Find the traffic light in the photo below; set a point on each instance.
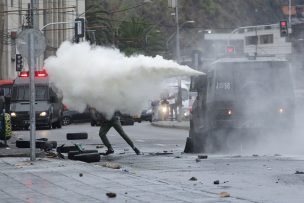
(19, 62)
(283, 28)
(79, 29)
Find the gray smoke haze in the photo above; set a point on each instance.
(108, 80)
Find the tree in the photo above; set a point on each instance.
(137, 36)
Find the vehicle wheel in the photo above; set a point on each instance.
(76, 136)
(66, 149)
(66, 120)
(88, 157)
(71, 154)
(59, 123)
(93, 123)
(49, 126)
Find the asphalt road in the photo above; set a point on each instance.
(145, 136)
(265, 174)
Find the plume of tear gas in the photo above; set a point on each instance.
(108, 80)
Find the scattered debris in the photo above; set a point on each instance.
(165, 151)
(197, 160)
(216, 182)
(126, 193)
(21, 165)
(111, 165)
(111, 194)
(193, 179)
(80, 174)
(126, 150)
(125, 170)
(226, 181)
(51, 155)
(237, 156)
(224, 194)
(277, 155)
(122, 153)
(299, 172)
(60, 156)
(99, 146)
(161, 153)
(178, 157)
(202, 156)
(255, 155)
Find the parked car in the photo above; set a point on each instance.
(75, 117)
(146, 115)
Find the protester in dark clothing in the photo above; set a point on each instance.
(106, 124)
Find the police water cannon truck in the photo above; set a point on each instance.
(247, 90)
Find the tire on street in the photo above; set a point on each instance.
(88, 157)
(27, 144)
(71, 154)
(77, 136)
(66, 149)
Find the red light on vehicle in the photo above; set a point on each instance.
(24, 74)
(41, 74)
(230, 50)
(283, 23)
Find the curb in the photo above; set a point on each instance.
(22, 154)
(170, 126)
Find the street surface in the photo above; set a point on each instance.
(162, 174)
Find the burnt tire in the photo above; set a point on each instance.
(66, 149)
(27, 144)
(71, 154)
(76, 136)
(88, 157)
(53, 143)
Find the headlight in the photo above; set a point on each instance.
(42, 114)
(13, 114)
(281, 110)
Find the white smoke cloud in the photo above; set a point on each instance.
(108, 80)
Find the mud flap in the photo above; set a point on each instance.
(189, 147)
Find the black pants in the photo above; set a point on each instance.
(105, 127)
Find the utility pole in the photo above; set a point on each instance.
(179, 93)
(31, 60)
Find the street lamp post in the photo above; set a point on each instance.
(179, 94)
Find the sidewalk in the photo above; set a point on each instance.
(172, 124)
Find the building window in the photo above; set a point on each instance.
(251, 40)
(266, 39)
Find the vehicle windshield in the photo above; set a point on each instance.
(6, 89)
(21, 93)
(265, 78)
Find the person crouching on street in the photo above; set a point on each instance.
(105, 126)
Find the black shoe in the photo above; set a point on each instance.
(136, 151)
(109, 151)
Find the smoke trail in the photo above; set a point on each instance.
(108, 80)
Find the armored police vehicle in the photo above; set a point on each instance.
(242, 94)
(48, 102)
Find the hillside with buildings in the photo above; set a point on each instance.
(108, 23)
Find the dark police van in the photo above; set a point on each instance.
(240, 96)
(48, 102)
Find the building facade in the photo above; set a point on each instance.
(55, 19)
